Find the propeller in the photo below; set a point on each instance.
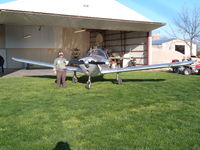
(97, 63)
(79, 62)
(76, 62)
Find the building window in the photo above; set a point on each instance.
(180, 48)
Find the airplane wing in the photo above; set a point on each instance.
(146, 67)
(70, 68)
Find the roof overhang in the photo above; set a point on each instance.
(46, 19)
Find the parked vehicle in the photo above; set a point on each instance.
(187, 69)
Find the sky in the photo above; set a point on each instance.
(5, 1)
(156, 10)
(161, 11)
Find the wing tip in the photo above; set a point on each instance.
(13, 58)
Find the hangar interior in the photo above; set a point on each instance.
(41, 43)
(121, 42)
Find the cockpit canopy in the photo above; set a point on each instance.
(97, 52)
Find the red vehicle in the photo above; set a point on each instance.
(188, 69)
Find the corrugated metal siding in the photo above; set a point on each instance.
(122, 42)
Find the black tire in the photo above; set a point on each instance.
(177, 70)
(198, 72)
(174, 70)
(187, 71)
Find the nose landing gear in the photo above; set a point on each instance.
(119, 80)
(88, 84)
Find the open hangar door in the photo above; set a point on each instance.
(41, 43)
(122, 42)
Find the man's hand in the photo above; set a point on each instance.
(66, 62)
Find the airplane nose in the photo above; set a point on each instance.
(87, 65)
(86, 62)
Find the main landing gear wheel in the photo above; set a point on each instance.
(88, 85)
(74, 79)
(119, 81)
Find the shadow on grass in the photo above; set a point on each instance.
(62, 146)
(83, 79)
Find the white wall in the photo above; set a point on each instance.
(159, 56)
(43, 44)
(40, 37)
(171, 46)
(166, 52)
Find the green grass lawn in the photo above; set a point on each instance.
(149, 111)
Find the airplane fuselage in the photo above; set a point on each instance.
(92, 69)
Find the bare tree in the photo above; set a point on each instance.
(187, 25)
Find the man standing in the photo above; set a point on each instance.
(59, 68)
(2, 63)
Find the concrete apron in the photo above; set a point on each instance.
(24, 72)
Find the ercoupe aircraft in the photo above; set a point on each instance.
(97, 63)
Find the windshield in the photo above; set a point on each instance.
(97, 52)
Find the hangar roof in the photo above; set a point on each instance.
(160, 42)
(91, 14)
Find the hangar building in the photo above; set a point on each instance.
(169, 49)
(37, 30)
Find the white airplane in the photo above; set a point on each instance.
(97, 63)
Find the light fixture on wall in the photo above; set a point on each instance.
(78, 31)
(27, 36)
